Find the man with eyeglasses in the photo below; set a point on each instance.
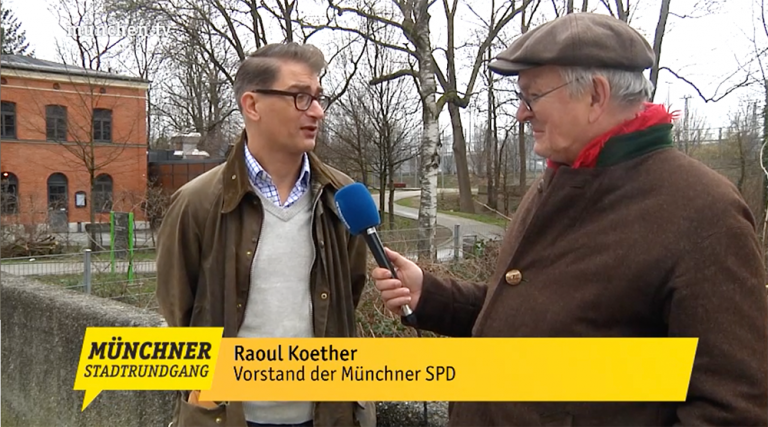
(256, 246)
(623, 236)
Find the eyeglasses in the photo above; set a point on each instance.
(301, 100)
(529, 101)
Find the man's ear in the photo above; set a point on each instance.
(250, 103)
(600, 97)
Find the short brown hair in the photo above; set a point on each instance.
(260, 69)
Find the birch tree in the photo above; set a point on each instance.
(411, 19)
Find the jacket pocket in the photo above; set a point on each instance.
(559, 419)
(190, 415)
(365, 414)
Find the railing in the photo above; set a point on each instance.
(133, 279)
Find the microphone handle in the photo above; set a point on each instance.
(377, 248)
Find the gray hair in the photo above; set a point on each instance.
(261, 68)
(628, 88)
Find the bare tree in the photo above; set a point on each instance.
(145, 55)
(456, 100)
(197, 96)
(93, 31)
(690, 130)
(375, 125)
(412, 20)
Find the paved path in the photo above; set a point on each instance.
(467, 226)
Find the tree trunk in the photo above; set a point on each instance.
(742, 161)
(489, 177)
(92, 211)
(490, 151)
(391, 201)
(382, 192)
(506, 186)
(493, 196)
(459, 143)
(764, 160)
(430, 157)
(460, 157)
(523, 162)
(661, 25)
(149, 118)
(521, 126)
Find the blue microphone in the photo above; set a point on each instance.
(360, 215)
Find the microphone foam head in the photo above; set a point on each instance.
(357, 208)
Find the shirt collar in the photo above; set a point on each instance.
(256, 172)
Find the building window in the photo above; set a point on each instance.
(57, 191)
(102, 125)
(56, 122)
(102, 193)
(9, 194)
(8, 125)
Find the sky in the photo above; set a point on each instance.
(703, 49)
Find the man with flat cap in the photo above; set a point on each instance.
(623, 236)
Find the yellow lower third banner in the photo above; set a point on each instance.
(384, 369)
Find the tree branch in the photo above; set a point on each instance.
(394, 76)
(701, 95)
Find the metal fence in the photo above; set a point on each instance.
(133, 280)
(114, 275)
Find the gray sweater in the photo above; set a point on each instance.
(279, 301)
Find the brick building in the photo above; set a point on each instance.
(61, 123)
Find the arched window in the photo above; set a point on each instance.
(102, 193)
(57, 191)
(9, 194)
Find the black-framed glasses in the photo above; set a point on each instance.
(301, 100)
(529, 101)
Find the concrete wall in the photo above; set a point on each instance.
(42, 335)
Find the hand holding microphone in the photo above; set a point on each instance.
(400, 289)
(405, 288)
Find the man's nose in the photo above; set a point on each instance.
(316, 111)
(523, 114)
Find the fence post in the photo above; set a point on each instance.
(456, 241)
(87, 271)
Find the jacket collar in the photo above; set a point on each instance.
(237, 183)
(630, 146)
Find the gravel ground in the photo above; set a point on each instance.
(411, 414)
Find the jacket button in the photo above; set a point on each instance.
(234, 177)
(541, 186)
(324, 295)
(514, 277)
(219, 420)
(239, 306)
(322, 244)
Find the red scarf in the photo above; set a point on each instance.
(653, 114)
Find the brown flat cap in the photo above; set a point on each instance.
(577, 39)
